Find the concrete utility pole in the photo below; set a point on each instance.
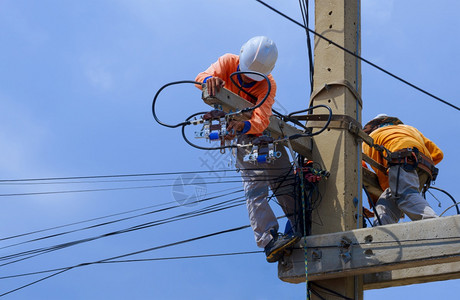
(338, 150)
(338, 251)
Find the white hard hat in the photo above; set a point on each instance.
(380, 116)
(259, 54)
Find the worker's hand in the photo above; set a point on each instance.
(233, 127)
(214, 84)
(246, 116)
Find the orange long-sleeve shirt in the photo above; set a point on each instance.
(398, 137)
(223, 68)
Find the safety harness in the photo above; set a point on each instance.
(415, 158)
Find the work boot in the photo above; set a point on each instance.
(275, 249)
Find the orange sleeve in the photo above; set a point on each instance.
(218, 69)
(435, 153)
(261, 116)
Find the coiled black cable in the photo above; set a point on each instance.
(155, 100)
(196, 146)
(310, 109)
(269, 88)
(449, 195)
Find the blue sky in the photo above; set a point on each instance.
(76, 84)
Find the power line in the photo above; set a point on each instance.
(111, 189)
(32, 283)
(112, 176)
(209, 209)
(117, 258)
(110, 222)
(305, 12)
(131, 254)
(108, 181)
(125, 175)
(331, 292)
(206, 210)
(103, 217)
(357, 56)
(194, 183)
(41, 182)
(139, 260)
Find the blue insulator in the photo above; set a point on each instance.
(214, 136)
(277, 154)
(262, 158)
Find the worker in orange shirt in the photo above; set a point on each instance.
(259, 54)
(410, 167)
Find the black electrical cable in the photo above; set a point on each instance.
(107, 216)
(288, 119)
(187, 122)
(449, 195)
(310, 109)
(317, 294)
(158, 93)
(139, 260)
(80, 222)
(357, 56)
(367, 218)
(283, 117)
(280, 183)
(372, 204)
(111, 222)
(133, 253)
(104, 217)
(117, 181)
(108, 189)
(331, 291)
(209, 209)
(119, 175)
(206, 210)
(164, 246)
(184, 136)
(304, 9)
(114, 176)
(269, 88)
(121, 188)
(34, 282)
(182, 257)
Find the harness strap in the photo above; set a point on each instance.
(414, 157)
(373, 163)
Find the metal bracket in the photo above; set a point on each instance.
(344, 247)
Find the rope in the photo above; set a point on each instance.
(302, 193)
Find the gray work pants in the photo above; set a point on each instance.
(257, 178)
(403, 196)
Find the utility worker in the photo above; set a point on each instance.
(410, 166)
(259, 54)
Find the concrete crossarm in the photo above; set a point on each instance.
(379, 250)
(232, 102)
(415, 275)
